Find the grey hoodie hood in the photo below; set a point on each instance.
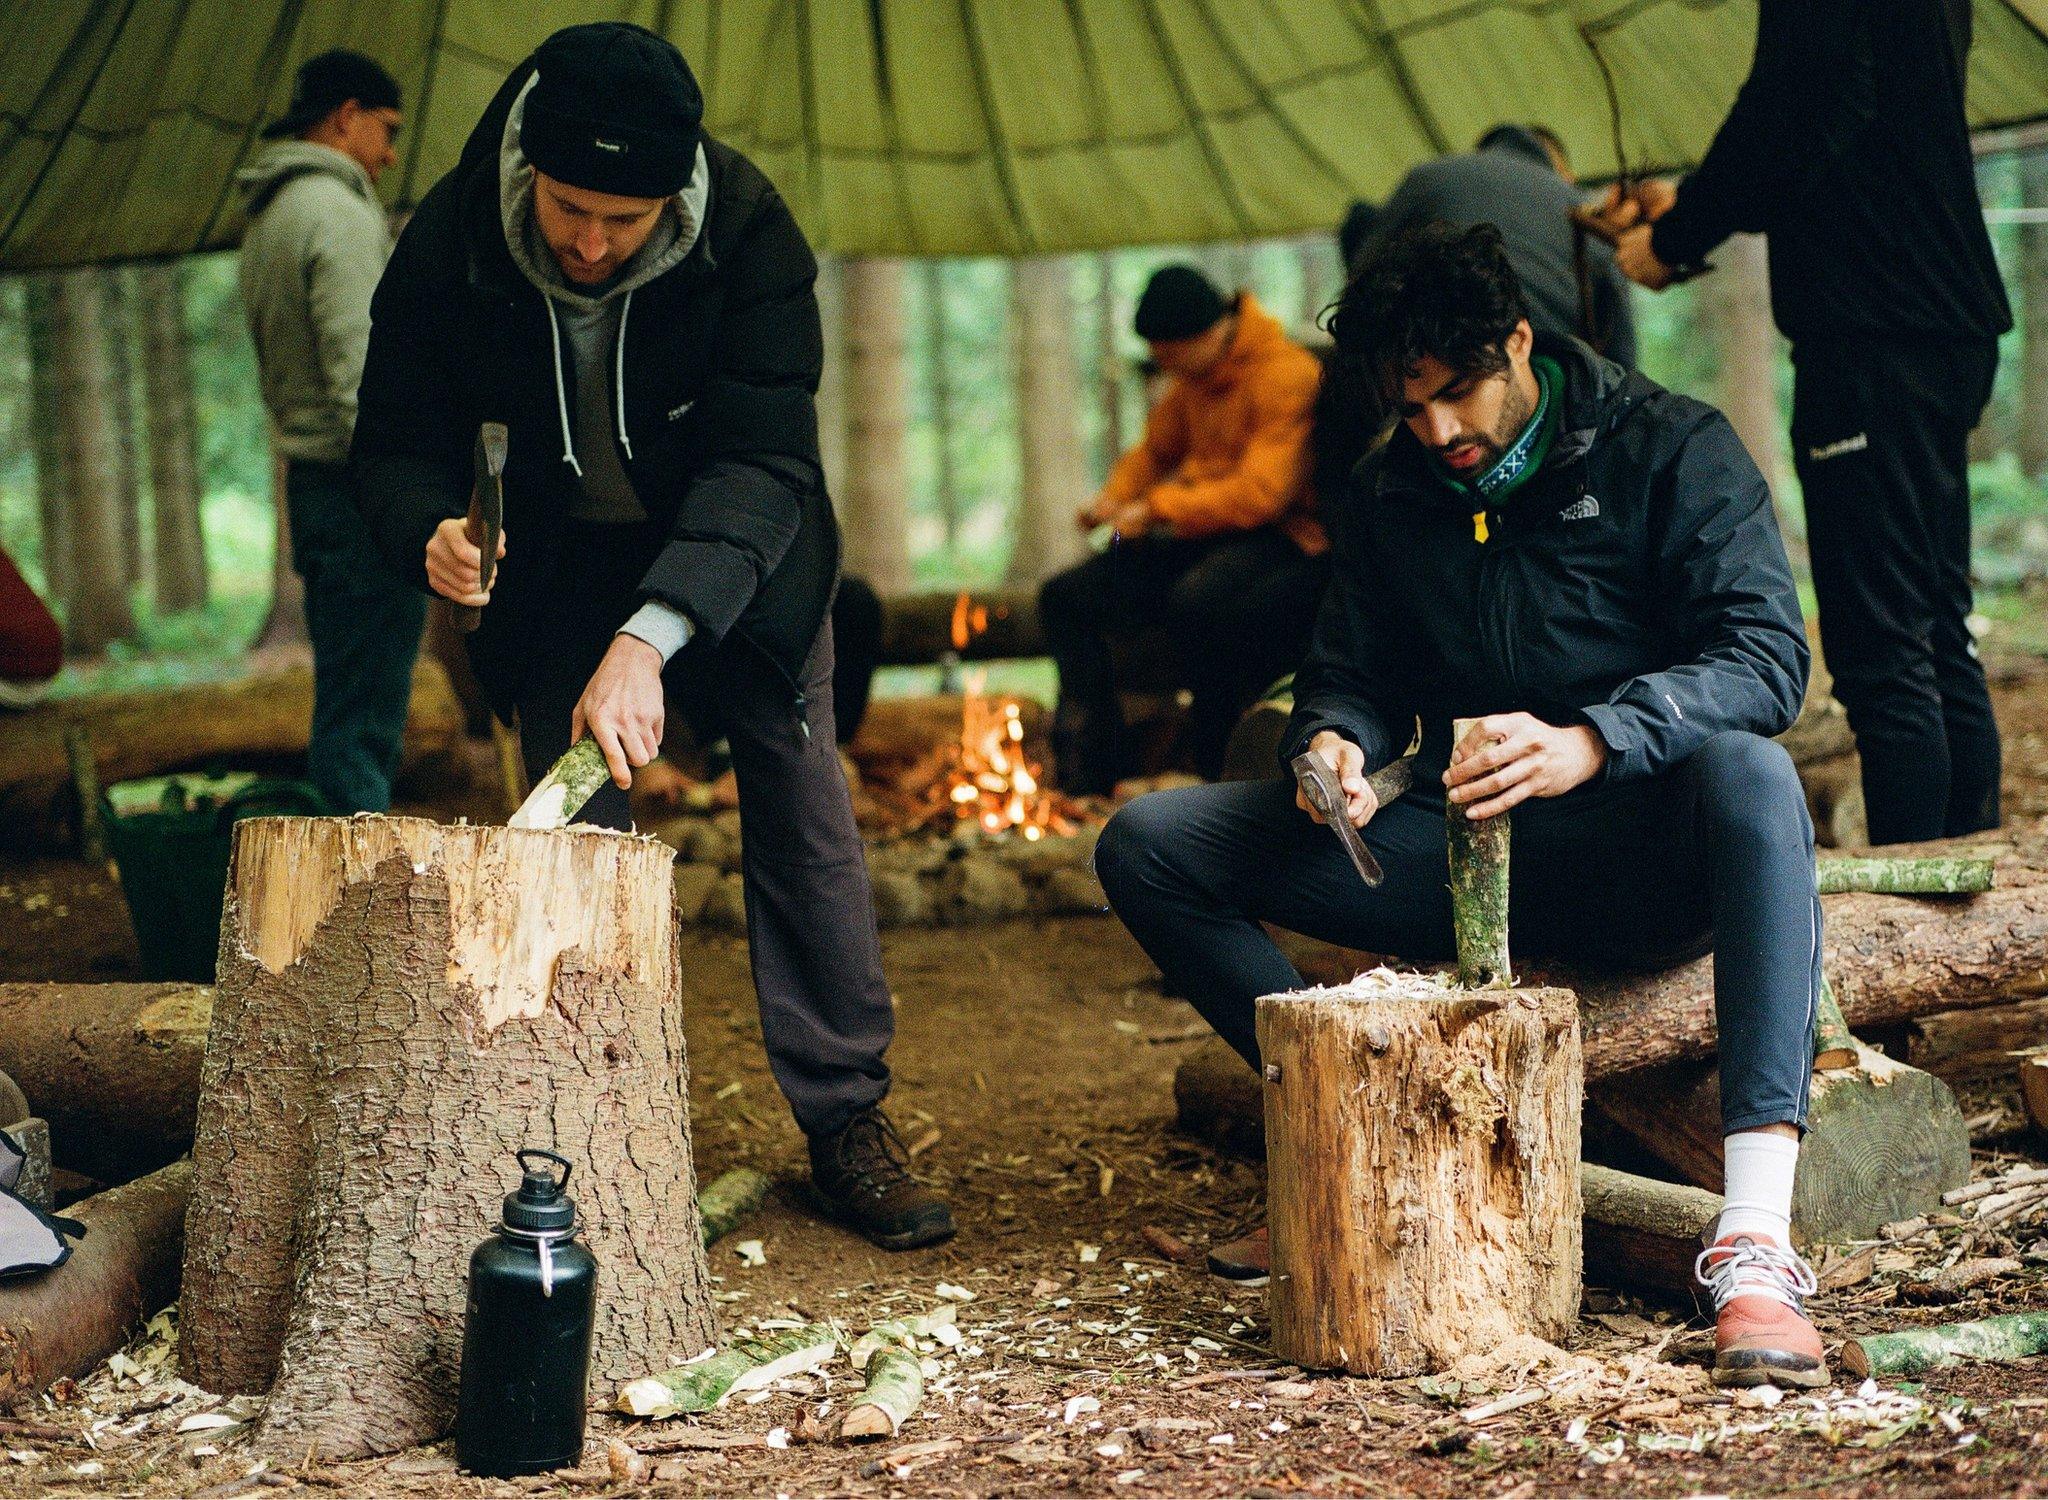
(280, 161)
(593, 320)
(682, 220)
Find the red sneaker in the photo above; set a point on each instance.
(1761, 1337)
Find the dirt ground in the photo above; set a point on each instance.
(1034, 1065)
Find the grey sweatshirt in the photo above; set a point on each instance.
(589, 325)
(315, 247)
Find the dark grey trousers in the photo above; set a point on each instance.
(826, 1017)
(1718, 851)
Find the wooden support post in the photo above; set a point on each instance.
(1479, 890)
(1422, 1171)
(85, 786)
(401, 1006)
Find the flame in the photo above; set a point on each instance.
(993, 784)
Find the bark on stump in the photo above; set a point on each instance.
(1884, 1140)
(1422, 1172)
(400, 1006)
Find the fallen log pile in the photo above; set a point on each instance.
(1889, 959)
(114, 1068)
(266, 716)
(124, 1270)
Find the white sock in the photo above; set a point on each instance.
(1760, 1165)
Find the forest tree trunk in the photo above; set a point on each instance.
(118, 291)
(403, 1005)
(174, 483)
(100, 612)
(939, 365)
(46, 437)
(1109, 362)
(1052, 473)
(875, 514)
(832, 375)
(285, 625)
(2033, 298)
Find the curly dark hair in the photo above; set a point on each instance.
(1434, 290)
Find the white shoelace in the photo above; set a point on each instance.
(1748, 1268)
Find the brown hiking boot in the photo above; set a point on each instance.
(1761, 1335)
(862, 1176)
(1244, 1260)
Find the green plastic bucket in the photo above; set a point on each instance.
(170, 837)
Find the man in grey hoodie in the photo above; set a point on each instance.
(315, 248)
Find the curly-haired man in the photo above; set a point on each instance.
(1587, 565)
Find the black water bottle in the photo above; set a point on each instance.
(526, 1337)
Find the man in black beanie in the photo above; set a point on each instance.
(1212, 534)
(632, 299)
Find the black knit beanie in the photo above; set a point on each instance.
(615, 110)
(1179, 302)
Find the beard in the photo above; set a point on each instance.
(1515, 411)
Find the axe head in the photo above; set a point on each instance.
(1318, 781)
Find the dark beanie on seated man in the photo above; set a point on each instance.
(614, 109)
(1179, 302)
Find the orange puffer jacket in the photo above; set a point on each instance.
(1229, 452)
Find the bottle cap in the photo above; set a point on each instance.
(540, 1204)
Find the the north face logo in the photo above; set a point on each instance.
(1585, 508)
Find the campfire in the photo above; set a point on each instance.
(991, 783)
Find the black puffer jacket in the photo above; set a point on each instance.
(722, 356)
(1638, 584)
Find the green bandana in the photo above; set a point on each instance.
(1524, 456)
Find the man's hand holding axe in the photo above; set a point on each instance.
(624, 708)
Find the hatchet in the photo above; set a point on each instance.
(1325, 793)
(486, 519)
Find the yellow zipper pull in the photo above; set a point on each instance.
(1479, 527)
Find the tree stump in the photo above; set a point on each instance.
(401, 1005)
(1422, 1150)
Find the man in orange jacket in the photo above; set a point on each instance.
(1212, 531)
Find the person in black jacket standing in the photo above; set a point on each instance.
(1848, 147)
(1589, 566)
(633, 300)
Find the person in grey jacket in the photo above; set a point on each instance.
(1519, 180)
(314, 250)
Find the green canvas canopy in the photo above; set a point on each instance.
(912, 126)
